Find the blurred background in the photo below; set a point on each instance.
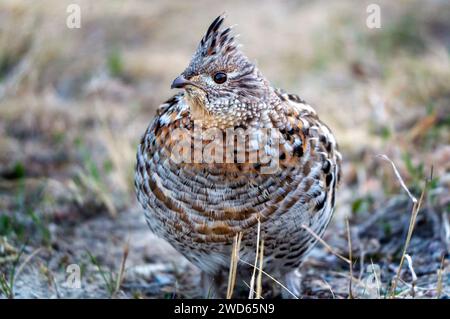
(74, 103)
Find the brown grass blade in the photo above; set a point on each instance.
(121, 274)
(252, 279)
(233, 265)
(350, 291)
(440, 275)
(414, 213)
(259, 280)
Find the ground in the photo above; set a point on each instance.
(74, 103)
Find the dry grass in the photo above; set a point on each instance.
(415, 211)
(325, 244)
(350, 259)
(440, 274)
(233, 265)
(122, 269)
(259, 278)
(270, 277)
(257, 258)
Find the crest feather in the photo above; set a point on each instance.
(217, 39)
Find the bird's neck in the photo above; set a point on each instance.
(225, 114)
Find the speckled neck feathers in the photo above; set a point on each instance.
(244, 94)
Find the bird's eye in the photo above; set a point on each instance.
(220, 77)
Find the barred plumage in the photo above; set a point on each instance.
(199, 204)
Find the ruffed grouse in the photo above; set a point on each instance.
(229, 152)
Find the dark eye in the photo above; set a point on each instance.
(220, 77)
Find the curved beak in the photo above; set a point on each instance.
(180, 82)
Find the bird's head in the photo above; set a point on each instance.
(220, 81)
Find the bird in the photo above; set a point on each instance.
(229, 155)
